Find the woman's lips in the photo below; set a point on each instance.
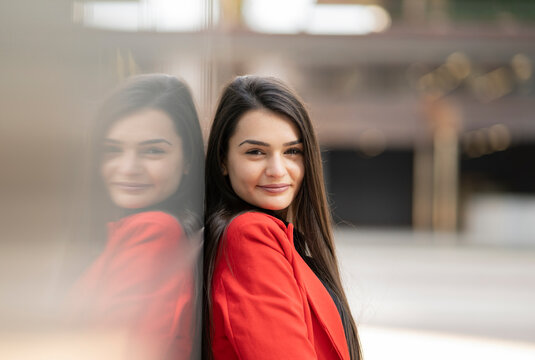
(130, 186)
(274, 188)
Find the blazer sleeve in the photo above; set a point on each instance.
(261, 303)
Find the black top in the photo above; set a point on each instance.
(313, 266)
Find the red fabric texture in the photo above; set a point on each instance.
(267, 302)
(143, 281)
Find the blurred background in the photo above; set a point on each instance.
(424, 110)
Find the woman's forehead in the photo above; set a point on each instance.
(267, 126)
(143, 125)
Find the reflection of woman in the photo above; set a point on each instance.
(149, 145)
(273, 289)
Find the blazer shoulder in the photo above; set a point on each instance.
(252, 229)
(147, 226)
(153, 218)
(254, 221)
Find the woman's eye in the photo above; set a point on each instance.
(254, 152)
(153, 151)
(294, 151)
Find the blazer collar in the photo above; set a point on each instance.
(322, 304)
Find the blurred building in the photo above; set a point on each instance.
(423, 107)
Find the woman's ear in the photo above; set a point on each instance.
(224, 169)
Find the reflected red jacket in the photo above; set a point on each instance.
(267, 302)
(142, 281)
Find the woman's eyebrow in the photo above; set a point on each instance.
(261, 143)
(146, 142)
(154, 141)
(253, 142)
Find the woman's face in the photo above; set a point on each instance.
(142, 161)
(265, 160)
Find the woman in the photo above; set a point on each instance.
(272, 286)
(148, 177)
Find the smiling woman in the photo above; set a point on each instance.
(143, 159)
(272, 287)
(148, 186)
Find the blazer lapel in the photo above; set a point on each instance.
(321, 303)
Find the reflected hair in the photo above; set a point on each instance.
(309, 211)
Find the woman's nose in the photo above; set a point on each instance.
(129, 163)
(275, 166)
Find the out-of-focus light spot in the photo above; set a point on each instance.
(120, 15)
(493, 85)
(348, 20)
(445, 80)
(481, 89)
(481, 142)
(177, 15)
(522, 67)
(426, 82)
(447, 77)
(468, 149)
(372, 142)
(475, 143)
(383, 21)
(441, 80)
(459, 65)
(149, 15)
(486, 141)
(276, 16)
(499, 137)
(291, 17)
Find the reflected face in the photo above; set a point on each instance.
(265, 160)
(142, 161)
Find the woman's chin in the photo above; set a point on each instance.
(131, 205)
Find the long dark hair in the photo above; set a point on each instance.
(172, 96)
(309, 210)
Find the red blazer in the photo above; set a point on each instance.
(267, 302)
(142, 281)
